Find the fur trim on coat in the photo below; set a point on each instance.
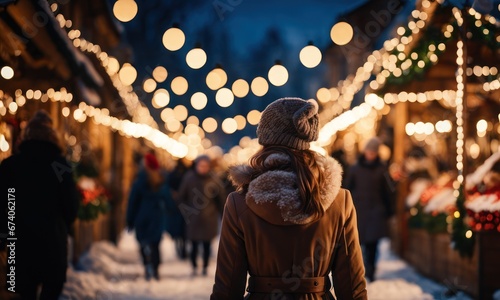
(275, 191)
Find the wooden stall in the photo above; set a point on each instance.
(50, 72)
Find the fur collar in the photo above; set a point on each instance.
(274, 196)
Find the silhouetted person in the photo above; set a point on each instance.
(41, 182)
(370, 185)
(176, 226)
(146, 212)
(200, 198)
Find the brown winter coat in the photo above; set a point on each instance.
(260, 237)
(200, 201)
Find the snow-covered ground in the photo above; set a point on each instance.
(116, 272)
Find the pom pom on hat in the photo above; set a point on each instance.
(291, 122)
(151, 161)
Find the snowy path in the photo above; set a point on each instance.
(115, 272)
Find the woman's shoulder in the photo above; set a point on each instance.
(236, 202)
(343, 201)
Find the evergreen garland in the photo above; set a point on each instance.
(432, 223)
(486, 33)
(462, 237)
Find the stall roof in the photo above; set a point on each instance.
(441, 75)
(43, 45)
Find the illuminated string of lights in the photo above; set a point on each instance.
(121, 78)
(448, 97)
(98, 115)
(421, 128)
(12, 104)
(342, 122)
(344, 93)
(492, 85)
(391, 60)
(460, 78)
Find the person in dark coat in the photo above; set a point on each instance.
(176, 226)
(45, 199)
(372, 191)
(146, 213)
(290, 224)
(200, 200)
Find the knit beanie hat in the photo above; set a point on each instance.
(291, 122)
(40, 128)
(373, 144)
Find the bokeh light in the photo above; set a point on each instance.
(323, 95)
(173, 39)
(310, 56)
(240, 88)
(179, 85)
(278, 75)
(161, 98)
(253, 117)
(341, 33)
(160, 74)
(180, 112)
(173, 125)
(241, 121)
(199, 100)
(216, 79)
(125, 10)
(229, 126)
(259, 86)
(113, 66)
(196, 58)
(7, 72)
(149, 85)
(224, 97)
(167, 114)
(209, 125)
(127, 74)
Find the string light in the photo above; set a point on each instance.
(253, 117)
(160, 74)
(128, 74)
(196, 58)
(209, 124)
(216, 78)
(323, 95)
(492, 85)
(241, 121)
(259, 86)
(7, 72)
(125, 10)
(4, 145)
(179, 85)
(161, 98)
(278, 75)
(199, 100)
(102, 117)
(460, 78)
(173, 39)
(421, 128)
(310, 56)
(229, 125)
(181, 112)
(224, 97)
(341, 33)
(354, 83)
(240, 88)
(149, 85)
